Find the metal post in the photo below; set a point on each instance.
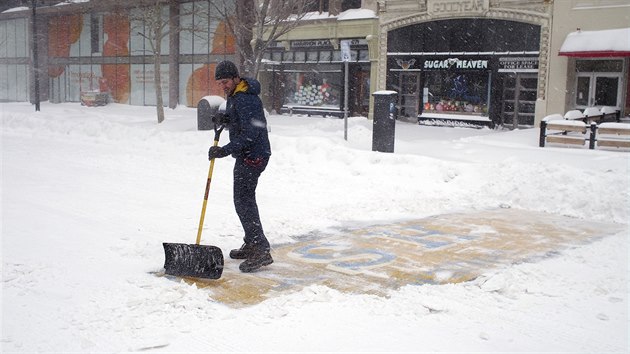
(543, 133)
(344, 46)
(593, 138)
(345, 101)
(35, 57)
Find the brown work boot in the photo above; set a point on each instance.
(257, 258)
(241, 253)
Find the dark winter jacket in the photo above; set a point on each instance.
(247, 122)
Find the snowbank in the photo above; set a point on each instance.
(89, 194)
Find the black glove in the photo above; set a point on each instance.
(220, 119)
(216, 152)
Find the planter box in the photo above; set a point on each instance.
(94, 98)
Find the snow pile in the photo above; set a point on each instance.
(89, 195)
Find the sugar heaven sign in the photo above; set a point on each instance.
(455, 63)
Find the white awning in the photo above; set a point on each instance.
(597, 44)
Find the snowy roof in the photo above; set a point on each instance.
(356, 14)
(352, 14)
(604, 43)
(44, 4)
(15, 9)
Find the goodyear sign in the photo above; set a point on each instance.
(457, 7)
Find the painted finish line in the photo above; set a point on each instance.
(448, 248)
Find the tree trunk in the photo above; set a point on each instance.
(173, 62)
(158, 88)
(157, 79)
(244, 16)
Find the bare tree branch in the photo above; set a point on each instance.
(258, 23)
(152, 23)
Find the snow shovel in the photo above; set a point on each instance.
(199, 261)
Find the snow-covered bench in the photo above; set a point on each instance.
(594, 114)
(613, 135)
(310, 110)
(610, 114)
(556, 129)
(561, 130)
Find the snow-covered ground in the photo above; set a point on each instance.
(90, 194)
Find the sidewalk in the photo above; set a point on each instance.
(448, 248)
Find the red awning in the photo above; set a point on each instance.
(597, 44)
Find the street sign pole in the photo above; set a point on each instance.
(35, 56)
(345, 56)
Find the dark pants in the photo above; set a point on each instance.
(246, 173)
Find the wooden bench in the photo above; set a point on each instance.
(615, 135)
(594, 114)
(562, 130)
(574, 132)
(610, 114)
(309, 111)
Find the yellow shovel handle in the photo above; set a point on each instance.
(205, 198)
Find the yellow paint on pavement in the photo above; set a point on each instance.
(441, 249)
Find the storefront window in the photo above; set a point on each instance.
(287, 56)
(456, 92)
(350, 4)
(313, 88)
(601, 66)
(311, 56)
(606, 91)
(363, 55)
(300, 56)
(583, 88)
(14, 78)
(325, 55)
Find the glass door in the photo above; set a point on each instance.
(607, 90)
(360, 91)
(599, 83)
(583, 91)
(597, 90)
(409, 96)
(519, 100)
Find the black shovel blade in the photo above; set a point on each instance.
(199, 261)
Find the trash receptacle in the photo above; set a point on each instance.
(384, 125)
(206, 108)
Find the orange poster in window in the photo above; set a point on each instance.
(62, 32)
(116, 76)
(201, 82)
